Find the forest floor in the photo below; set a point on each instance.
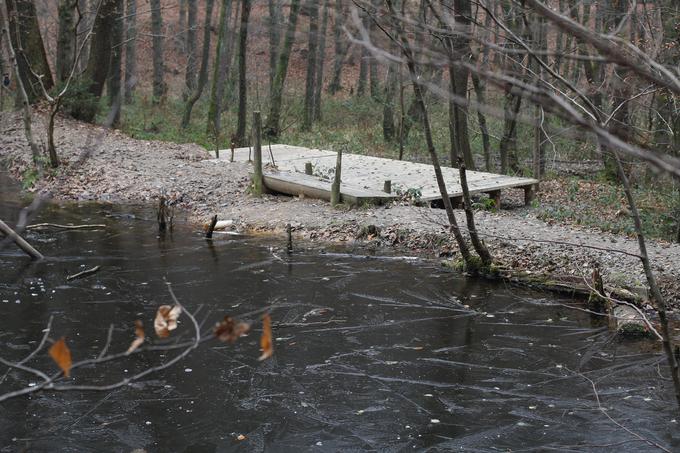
(105, 165)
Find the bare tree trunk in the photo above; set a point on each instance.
(81, 31)
(481, 119)
(191, 46)
(115, 71)
(182, 21)
(99, 60)
(158, 66)
(341, 47)
(508, 144)
(657, 297)
(35, 150)
(240, 136)
(130, 50)
(321, 58)
(363, 71)
(66, 39)
(477, 243)
(410, 62)
(28, 46)
(273, 119)
(221, 69)
(459, 75)
(274, 22)
(312, 45)
(205, 61)
(388, 105)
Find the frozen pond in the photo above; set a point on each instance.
(371, 354)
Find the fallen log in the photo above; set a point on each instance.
(20, 242)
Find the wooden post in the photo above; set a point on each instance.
(233, 145)
(258, 180)
(335, 188)
(308, 168)
(387, 186)
(528, 195)
(211, 228)
(20, 242)
(289, 233)
(495, 195)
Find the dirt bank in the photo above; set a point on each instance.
(107, 166)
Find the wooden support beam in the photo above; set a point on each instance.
(457, 202)
(308, 168)
(528, 195)
(495, 195)
(20, 242)
(387, 186)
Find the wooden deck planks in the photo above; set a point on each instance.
(367, 173)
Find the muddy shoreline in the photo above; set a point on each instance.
(104, 165)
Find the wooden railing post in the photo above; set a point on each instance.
(258, 180)
(335, 188)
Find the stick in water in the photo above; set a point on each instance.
(84, 273)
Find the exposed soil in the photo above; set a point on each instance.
(103, 165)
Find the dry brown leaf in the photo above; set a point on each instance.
(266, 339)
(139, 337)
(166, 319)
(61, 355)
(241, 437)
(230, 330)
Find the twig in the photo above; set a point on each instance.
(84, 273)
(109, 337)
(64, 227)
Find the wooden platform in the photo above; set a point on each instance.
(363, 177)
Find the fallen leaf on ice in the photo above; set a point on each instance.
(139, 337)
(166, 319)
(61, 354)
(230, 330)
(266, 339)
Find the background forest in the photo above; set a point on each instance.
(327, 74)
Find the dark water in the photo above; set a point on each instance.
(370, 354)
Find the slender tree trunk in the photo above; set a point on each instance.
(240, 137)
(312, 45)
(99, 60)
(191, 46)
(341, 47)
(321, 58)
(182, 21)
(66, 39)
(479, 87)
(508, 144)
(158, 66)
(273, 119)
(459, 76)
(657, 298)
(220, 70)
(130, 50)
(410, 62)
(81, 31)
(363, 71)
(203, 73)
(388, 105)
(28, 120)
(115, 71)
(28, 46)
(274, 23)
